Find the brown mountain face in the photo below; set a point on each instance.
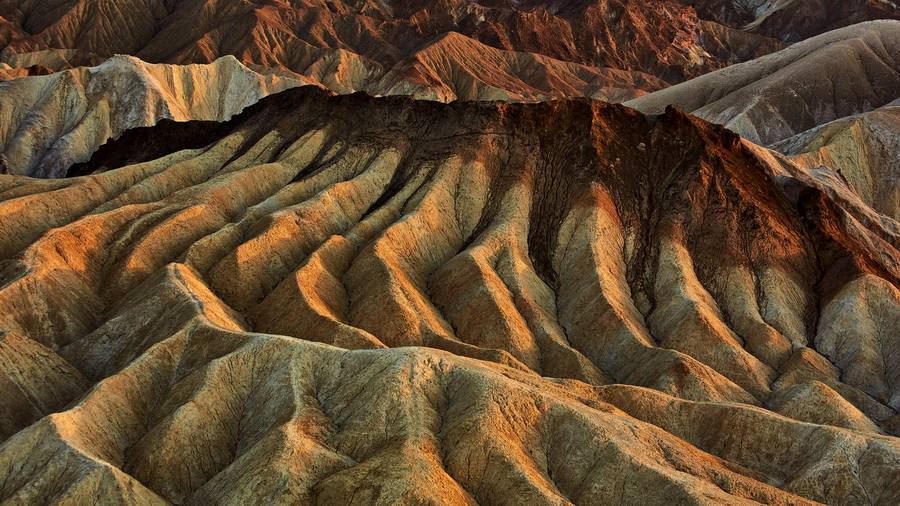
(455, 67)
(793, 20)
(406, 301)
(661, 38)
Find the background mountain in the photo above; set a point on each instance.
(661, 38)
(659, 310)
(626, 48)
(793, 20)
(831, 76)
(48, 123)
(792, 101)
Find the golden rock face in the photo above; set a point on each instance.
(344, 298)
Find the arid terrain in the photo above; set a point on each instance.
(662, 38)
(565, 300)
(418, 253)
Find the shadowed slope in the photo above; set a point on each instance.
(648, 298)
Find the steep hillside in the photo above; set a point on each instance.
(48, 123)
(406, 301)
(458, 68)
(838, 74)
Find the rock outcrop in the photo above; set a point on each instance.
(390, 300)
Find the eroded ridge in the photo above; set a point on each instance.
(393, 300)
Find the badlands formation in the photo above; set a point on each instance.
(362, 41)
(335, 299)
(245, 281)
